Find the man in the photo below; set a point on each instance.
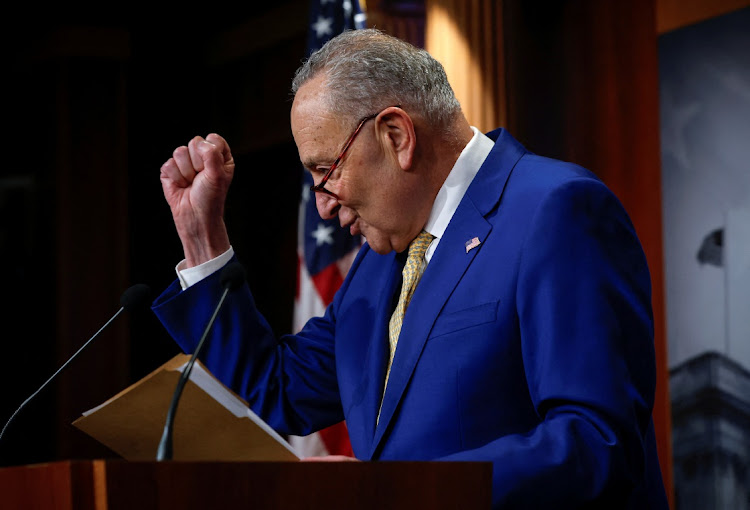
(499, 311)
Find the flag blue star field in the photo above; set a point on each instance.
(328, 18)
(325, 250)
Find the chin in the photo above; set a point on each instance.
(378, 245)
(379, 241)
(379, 249)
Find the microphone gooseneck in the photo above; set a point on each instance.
(132, 298)
(231, 278)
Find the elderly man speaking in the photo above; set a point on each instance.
(499, 311)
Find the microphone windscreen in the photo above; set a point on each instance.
(135, 296)
(232, 276)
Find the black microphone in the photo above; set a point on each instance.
(232, 276)
(132, 298)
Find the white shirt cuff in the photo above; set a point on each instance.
(192, 275)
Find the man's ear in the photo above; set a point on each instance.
(396, 131)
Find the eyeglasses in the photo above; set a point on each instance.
(318, 188)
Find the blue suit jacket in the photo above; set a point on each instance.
(533, 351)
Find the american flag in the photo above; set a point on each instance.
(325, 251)
(472, 243)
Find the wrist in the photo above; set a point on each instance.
(202, 245)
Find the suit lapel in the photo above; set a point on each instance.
(448, 264)
(443, 273)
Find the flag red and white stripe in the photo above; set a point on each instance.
(325, 251)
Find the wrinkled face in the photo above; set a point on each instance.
(370, 198)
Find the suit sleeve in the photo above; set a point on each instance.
(584, 310)
(290, 382)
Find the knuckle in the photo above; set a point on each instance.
(195, 142)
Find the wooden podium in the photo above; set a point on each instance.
(123, 485)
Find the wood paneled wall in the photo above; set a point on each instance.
(92, 263)
(674, 14)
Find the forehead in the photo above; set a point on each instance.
(315, 128)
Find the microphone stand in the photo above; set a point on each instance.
(130, 299)
(231, 278)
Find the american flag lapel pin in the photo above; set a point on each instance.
(472, 243)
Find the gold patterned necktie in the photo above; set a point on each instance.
(412, 272)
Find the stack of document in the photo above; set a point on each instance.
(212, 423)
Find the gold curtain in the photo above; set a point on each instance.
(466, 37)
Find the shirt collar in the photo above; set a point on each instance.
(454, 188)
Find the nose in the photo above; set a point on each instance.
(328, 207)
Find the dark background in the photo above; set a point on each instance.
(94, 104)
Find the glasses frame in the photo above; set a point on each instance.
(319, 188)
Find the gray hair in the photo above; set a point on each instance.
(368, 70)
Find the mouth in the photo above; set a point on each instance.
(353, 227)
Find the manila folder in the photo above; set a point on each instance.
(212, 423)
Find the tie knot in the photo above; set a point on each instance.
(419, 245)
